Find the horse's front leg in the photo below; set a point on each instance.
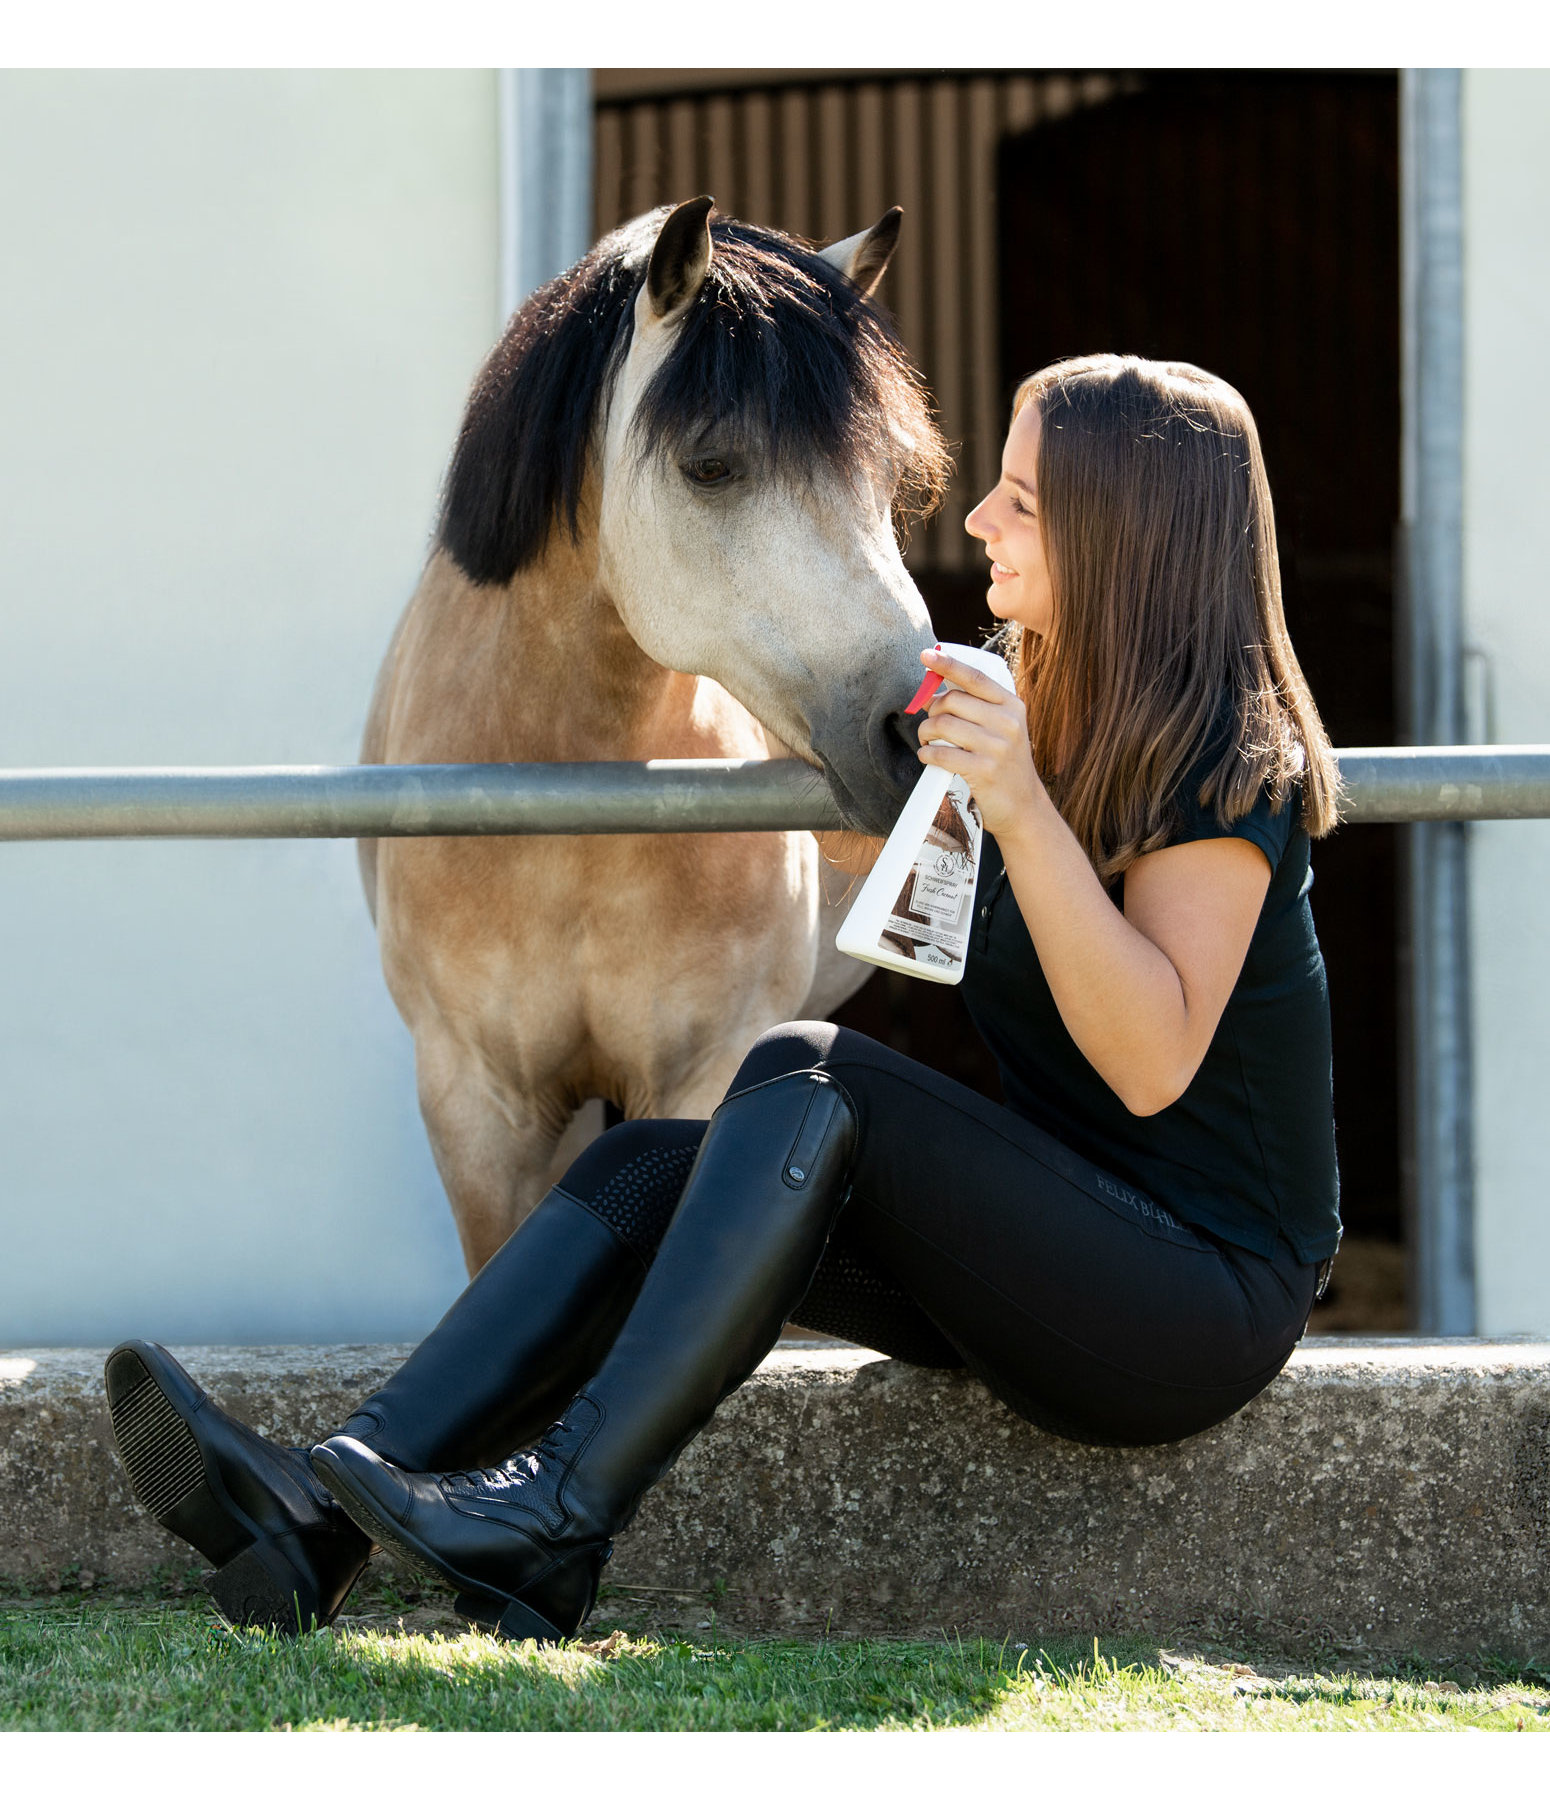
(494, 1149)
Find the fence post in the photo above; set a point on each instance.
(545, 177)
(1438, 1091)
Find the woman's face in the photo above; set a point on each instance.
(1007, 523)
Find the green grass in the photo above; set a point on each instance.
(72, 1664)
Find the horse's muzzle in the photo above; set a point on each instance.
(873, 774)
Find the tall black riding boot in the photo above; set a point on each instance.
(285, 1556)
(514, 1346)
(523, 1544)
(532, 1325)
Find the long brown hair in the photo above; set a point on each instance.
(1168, 641)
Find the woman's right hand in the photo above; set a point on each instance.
(978, 730)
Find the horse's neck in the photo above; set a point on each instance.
(540, 670)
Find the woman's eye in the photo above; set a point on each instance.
(708, 471)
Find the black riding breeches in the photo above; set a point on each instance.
(972, 1238)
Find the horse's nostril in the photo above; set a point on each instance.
(901, 735)
(898, 743)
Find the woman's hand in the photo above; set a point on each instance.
(980, 731)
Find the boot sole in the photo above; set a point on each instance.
(503, 1614)
(166, 1469)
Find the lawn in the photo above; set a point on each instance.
(104, 1664)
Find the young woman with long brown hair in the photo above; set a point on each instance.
(1125, 1252)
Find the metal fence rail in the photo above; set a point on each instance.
(1383, 786)
(414, 800)
(1402, 786)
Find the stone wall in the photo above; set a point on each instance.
(1390, 1494)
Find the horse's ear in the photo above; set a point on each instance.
(680, 259)
(864, 258)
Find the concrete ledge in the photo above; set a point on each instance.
(1387, 1493)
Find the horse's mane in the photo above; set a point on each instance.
(777, 343)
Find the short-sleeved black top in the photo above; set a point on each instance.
(1247, 1152)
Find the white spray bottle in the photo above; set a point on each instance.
(915, 909)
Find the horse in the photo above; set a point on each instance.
(670, 528)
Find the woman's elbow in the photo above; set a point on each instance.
(1142, 1095)
(1143, 1103)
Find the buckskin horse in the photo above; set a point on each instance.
(668, 530)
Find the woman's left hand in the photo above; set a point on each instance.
(980, 731)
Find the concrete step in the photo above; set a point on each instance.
(1386, 1493)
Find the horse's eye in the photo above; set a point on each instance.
(708, 471)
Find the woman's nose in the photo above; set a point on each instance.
(976, 524)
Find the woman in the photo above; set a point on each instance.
(1126, 1252)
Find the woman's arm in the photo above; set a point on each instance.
(1141, 991)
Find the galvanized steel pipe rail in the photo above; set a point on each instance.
(1383, 786)
(415, 800)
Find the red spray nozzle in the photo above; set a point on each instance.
(926, 692)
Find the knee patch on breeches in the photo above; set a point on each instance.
(633, 1177)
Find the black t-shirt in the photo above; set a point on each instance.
(1247, 1152)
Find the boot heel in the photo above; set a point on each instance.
(519, 1621)
(508, 1619)
(260, 1588)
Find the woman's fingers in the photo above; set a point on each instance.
(1004, 713)
(978, 730)
(967, 734)
(945, 755)
(963, 675)
(993, 731)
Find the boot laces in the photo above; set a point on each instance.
(516, 1472)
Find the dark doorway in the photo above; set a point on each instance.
(1248, 223)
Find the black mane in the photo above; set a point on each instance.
(777, 342)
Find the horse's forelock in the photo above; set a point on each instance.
(777, 344)
(781, 348)
(521, 456)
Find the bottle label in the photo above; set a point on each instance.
(931, 917)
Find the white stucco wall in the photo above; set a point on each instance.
(238, 320)
(1506, 164)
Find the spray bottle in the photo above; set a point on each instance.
(914, 910)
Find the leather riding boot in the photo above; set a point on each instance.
(514, 1346)
(532, 1325)
(523, 1544)
(285, 1555)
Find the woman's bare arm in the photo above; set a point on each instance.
(1140, 990)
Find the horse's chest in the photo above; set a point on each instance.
(710, 893)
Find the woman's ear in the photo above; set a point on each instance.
(864, 258)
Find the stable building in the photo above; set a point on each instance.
(243, 314)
